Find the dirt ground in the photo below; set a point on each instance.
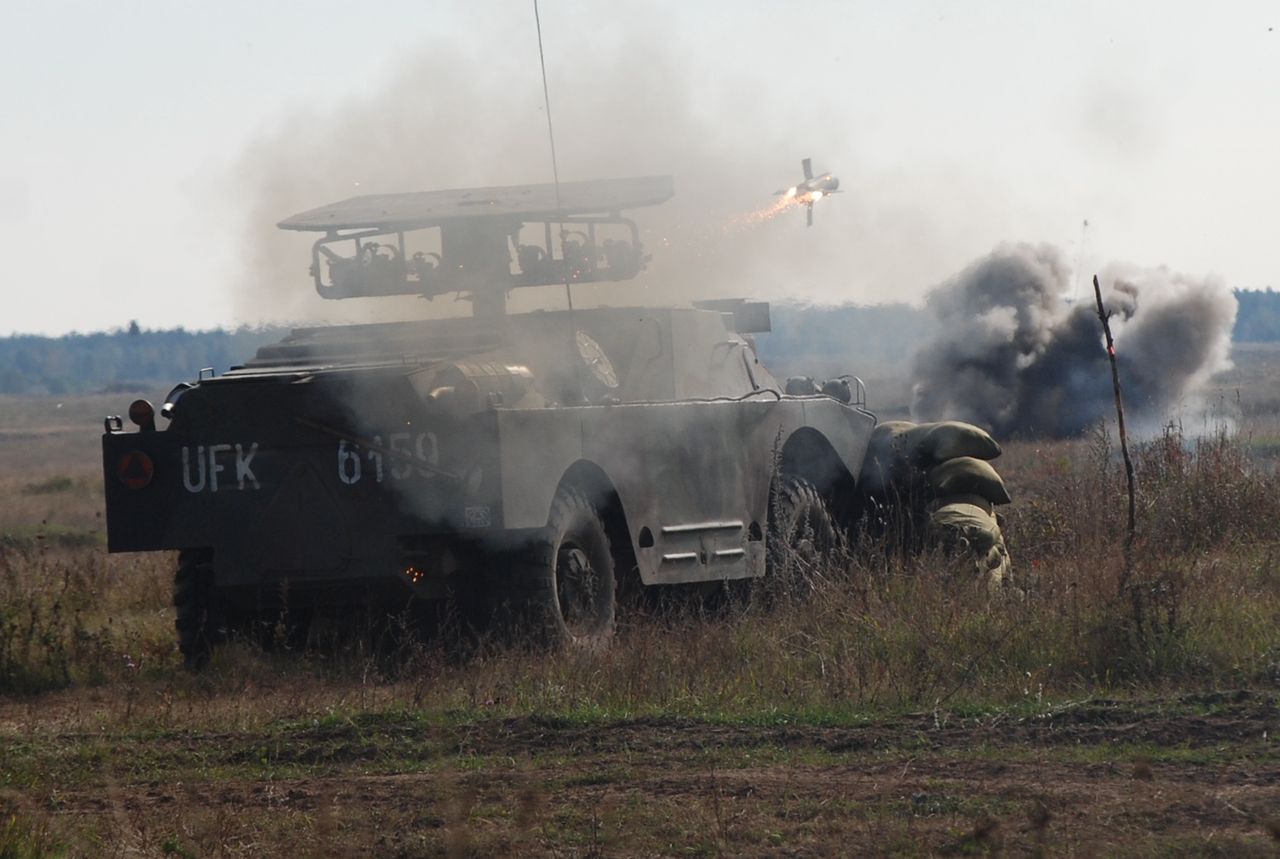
(1192, 775)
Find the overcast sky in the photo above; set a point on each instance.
(149, 147)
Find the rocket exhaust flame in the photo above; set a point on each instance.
(806, 193)
(764, 213)
(790, 199)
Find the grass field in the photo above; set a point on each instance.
(900, 709)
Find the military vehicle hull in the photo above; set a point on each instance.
(337, 473)
(308, 504)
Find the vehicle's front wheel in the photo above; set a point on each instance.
(564, 583)
(803, 543)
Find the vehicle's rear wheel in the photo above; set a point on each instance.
(564, 583)
(198, 620)
(207, 616)
(803, 543)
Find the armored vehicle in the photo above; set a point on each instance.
(538, 462)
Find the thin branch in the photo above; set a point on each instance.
(1105, 317)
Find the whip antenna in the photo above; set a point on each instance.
(1084, 236)
(551, 136)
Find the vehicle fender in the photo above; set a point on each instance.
(536, 448)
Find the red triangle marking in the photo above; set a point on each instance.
(136, 470)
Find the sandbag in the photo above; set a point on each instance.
(965, 475)
(996, 558)
(963, 498)
(889, 427)
(888, 441)
(958, 525)
(967, 530)
(930, 443)
(886, 463)
(997, 567)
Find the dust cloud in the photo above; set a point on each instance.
(1012, 354)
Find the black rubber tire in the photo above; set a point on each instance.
(563, 586)
(198, 620)
(803, 542)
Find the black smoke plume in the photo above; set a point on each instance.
(1013, 355)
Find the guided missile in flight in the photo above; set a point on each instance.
(812, 189)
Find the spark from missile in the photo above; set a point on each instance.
(765, 213)
(805, 193)
(790, 199)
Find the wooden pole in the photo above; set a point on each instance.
(1105, 317)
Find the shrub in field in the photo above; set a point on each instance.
(75, 615)
(1204, 493)
(1205, 512)
(1194, 494)
(22, 838)
(49, 486)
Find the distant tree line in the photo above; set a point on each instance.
(1259, 317)
(805, 338)
(127, 359)
(817, 339)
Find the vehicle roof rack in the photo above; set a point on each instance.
(484, 250)
(420, 209)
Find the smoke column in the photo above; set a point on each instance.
(1013, 356)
